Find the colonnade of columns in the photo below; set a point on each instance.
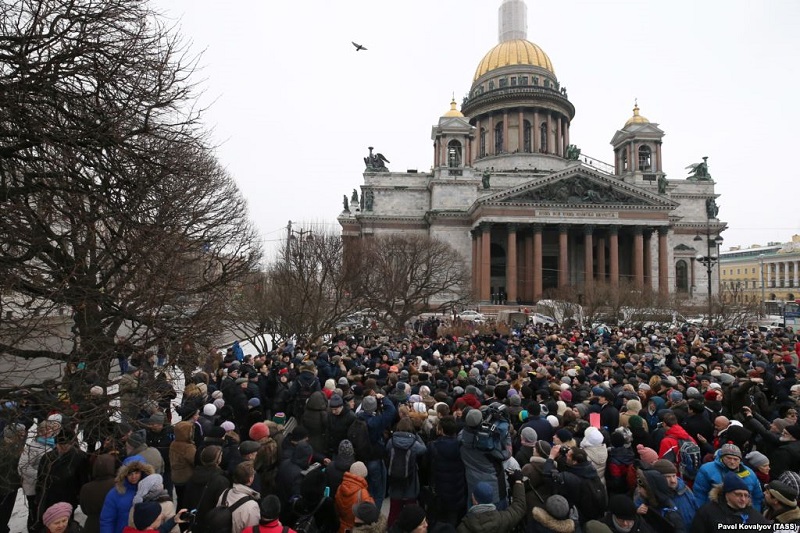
(782, 273)
(555, 141)
(524, 276)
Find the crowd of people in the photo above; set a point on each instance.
(542, 430)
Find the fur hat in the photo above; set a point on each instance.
(259, 431)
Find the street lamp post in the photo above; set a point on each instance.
(709, 260)
(761, 261)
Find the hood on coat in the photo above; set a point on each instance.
(403, 439)
(678, 433)
(658, 492)
(301, 455)
(317, 402)
(585, 470)
(567, 525)
(135, 462)
(352, 484)
(184, 431)
(104, 466)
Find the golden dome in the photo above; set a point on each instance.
(636, 118)
(453, 111)
(513, 52)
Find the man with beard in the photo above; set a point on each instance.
(787, 457)
(727, 505)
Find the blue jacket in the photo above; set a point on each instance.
(117, 506)
(711, 474)
(684, 500)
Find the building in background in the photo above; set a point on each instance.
(529, 212)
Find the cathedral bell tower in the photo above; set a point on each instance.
(637, 151)
(452, 143)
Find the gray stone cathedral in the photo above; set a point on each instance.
(528, 212)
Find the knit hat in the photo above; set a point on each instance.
(515, 400)
(217, 394)
(543, 448)
(369, 404)
(561, 408)
(794, 431)
(791, 478)
(636, 422)
(366, 512)
(228, 426)
(146, 485)
(145, 513)
(483, 492)
(254, 402)
(617, 439)
(592, 438)
(279, 418)
(359, 469)
(596, 526)
(209, 455)
(473, 418)
(346, 450)
(528, 437)
(259, 431)
(564, 435)
(731, 481)
(757, 459)
(270, 508)
(219, 403)
(409, 518)
(336, 401)
(137, 438)
(710, 395)
(566, 396)
(782, 492)
(57, 511)
(647, 455)
(557, 507)
(622, 507)
(781, 423)
(209, 409)
(676, 396)
(96, 390)
(665, 467)
(730, 449)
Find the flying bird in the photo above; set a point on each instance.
(358, 46)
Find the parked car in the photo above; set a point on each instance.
(538, 318)
(471, 315)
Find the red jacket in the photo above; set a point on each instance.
(670, 443)
(271, 527)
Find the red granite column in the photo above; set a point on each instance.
(613, 255)
(535, 132)
(537, 261)
(663, 261)
(648, 258)
(638, 257)
(521, 131)
(486, 262)
(476, 262)
(528, 271)
(588, 258)
(505, 131)
(563, 257)
(511, 264)
(601, 259)
(490, 135)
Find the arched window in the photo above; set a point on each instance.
(682, 276)
(498, 138)
(527, 137)
(454, 154)
(543, 137)
(644, 157)
(482, 151)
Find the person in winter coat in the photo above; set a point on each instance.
(620, 471)
(247, 514)
(528, 438)
(119, 500)
(151, 489)
(207, 483)
(681, 495)
(57, 518)
(301, 389)
(484, 517)
(350, 493)
(479, 465)
(315, 420)
(537, 488)
(269, 521)
(787, 457)
(377, 424)
(654, 504)
(670, 445)
(341, 463)
(403, 486)
(578, 471)
(632, 408)
(62, 472)
(148, 518)
(447, 474)
(781, 503)
(368, 519)
(290, 471)
(597, 452)
(29, 461)
(727, 459)
(728, 504)
(11, 447)
(268, 456)
(553, 517)
(93, 493)
(182, 452)
(137, 445)
(339, 421)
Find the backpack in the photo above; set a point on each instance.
(358, 435)
(689, 458)
(306, 523)
(491, 436)
(399, 460)
(303, 394)
(220, 518)
(593, 501)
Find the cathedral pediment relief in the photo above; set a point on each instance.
(579, 188)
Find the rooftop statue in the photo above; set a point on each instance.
(573, 152)
(345, 204)
(712, 209)
(375, 162)
(354, 198)
(699, 171)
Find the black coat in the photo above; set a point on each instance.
(716, 513)
(204, 489)
(61, 476)
(447, 472)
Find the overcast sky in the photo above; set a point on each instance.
(294, 106)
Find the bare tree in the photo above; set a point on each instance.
(403, 275)
(112, 205)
